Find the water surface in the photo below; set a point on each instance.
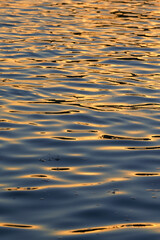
(80, 120)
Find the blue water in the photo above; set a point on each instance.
(80, 120)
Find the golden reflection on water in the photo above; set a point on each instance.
(150, 226)
(20, 226)
(79, 80)
(64, 175)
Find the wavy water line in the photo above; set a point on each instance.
(19, 226)
(139, 225)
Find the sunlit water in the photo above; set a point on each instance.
(80, 120)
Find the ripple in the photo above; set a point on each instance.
(9, 225)
(147, 174)
(124, 138)
(79, 119)
(111, 228)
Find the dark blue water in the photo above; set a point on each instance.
(80, 120)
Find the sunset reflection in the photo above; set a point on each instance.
(79, 119)
(153, 226)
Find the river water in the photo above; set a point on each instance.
(80, 119)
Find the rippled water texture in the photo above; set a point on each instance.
(80, 120)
